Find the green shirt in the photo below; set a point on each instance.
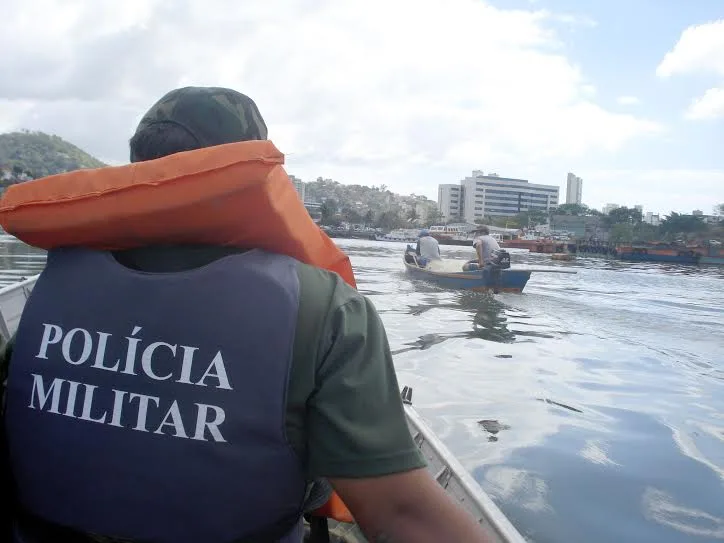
(344, 412)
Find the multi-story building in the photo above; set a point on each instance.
(574, 189)
(651, 218)
(299, 186)
(491, 195)
(450, 201)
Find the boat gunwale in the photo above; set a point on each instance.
(493, 517)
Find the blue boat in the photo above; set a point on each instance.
(511, 280)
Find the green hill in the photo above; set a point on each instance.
(38, 154)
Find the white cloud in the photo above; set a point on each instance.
(628, 100)
(396, 91)
(708, 106)
(700, 50)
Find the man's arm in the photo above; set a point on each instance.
(407, 507)
(358, 438)
(479, 251)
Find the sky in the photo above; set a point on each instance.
(628, 95)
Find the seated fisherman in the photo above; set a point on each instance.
(428, 248)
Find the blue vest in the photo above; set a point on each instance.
(151, 406)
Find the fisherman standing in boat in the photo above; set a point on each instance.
(427, 249)
(192, 392)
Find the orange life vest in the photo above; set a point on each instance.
(236, 195)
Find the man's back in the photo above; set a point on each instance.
(429, 248)
(488, 245)
(326, 417)
(118, 372)
(328, 307)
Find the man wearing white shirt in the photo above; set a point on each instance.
(428, 248)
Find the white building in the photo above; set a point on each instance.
(651, 218)
(574, 189)
(299, 186)
(609, 207)
(449, 201)
(495, 196)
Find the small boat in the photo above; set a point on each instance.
(441, 463)
(401, 234)
(562, 256)
(511, 280)
(457, 235)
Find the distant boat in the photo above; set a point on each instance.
(451, 235)
(401, 234)
(511, 280)
(660, 253)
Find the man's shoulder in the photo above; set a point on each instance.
(324, 285)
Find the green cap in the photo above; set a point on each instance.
(214, 115)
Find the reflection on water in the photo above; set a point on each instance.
(659, 506)
(591, 407)
(492, 320)
(18, 261)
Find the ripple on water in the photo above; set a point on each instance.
(609, 385)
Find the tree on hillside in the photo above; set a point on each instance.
(573, 209)
(37, 154)
(621, 232)
(645, 232)
(433, 217)
(388, 220)
(369, 217)
(328, 210)
(351, 215)
(719, 210)
(531, 218)
(624, 215)
(412, 215)
(676, 223)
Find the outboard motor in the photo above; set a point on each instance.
(500, 261)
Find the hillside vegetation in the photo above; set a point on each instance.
(36, 154)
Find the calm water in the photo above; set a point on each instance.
(602, 392)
